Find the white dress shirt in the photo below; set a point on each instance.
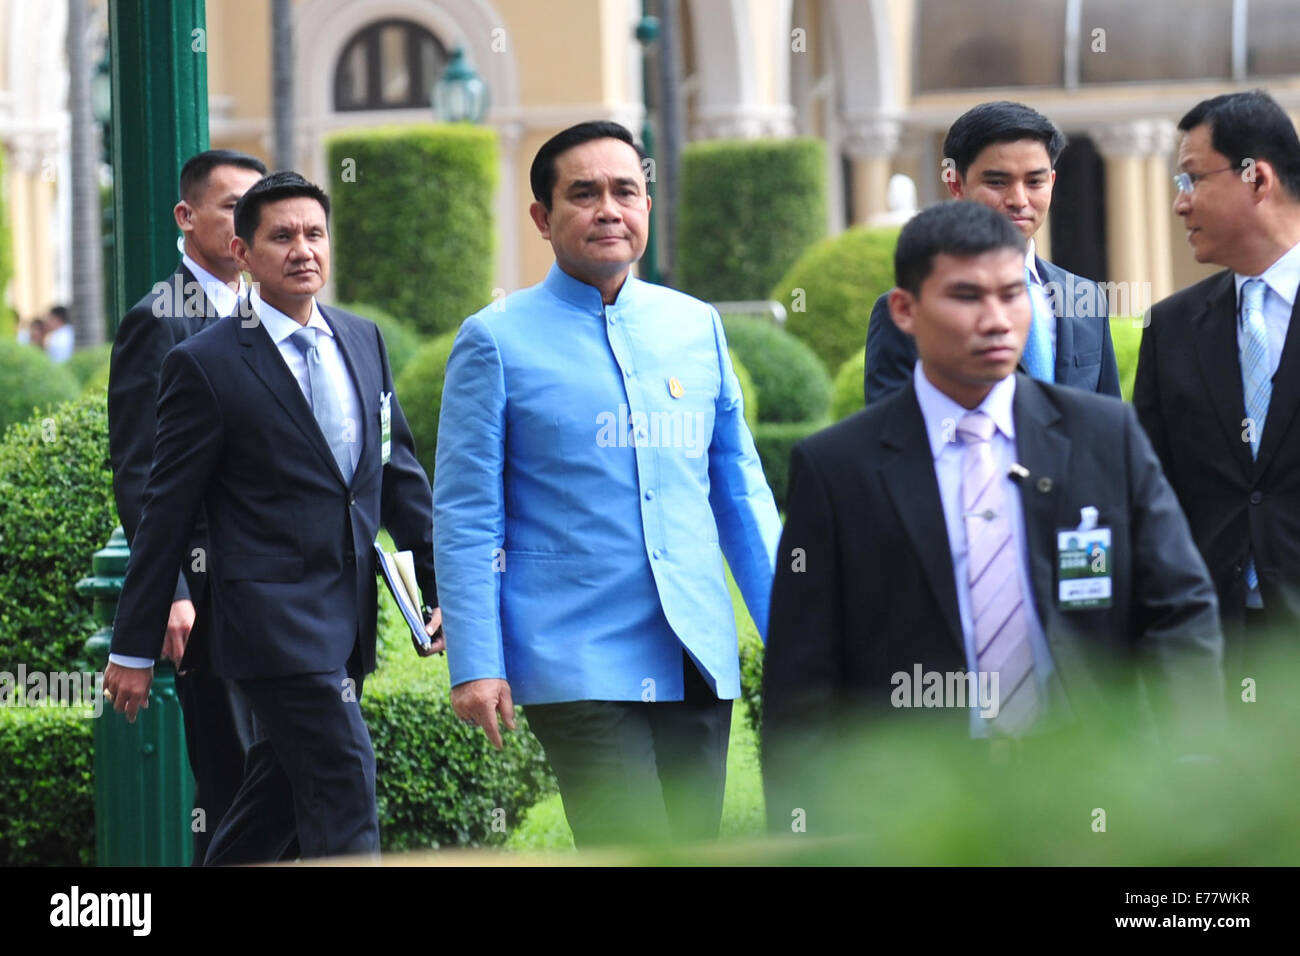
(223, 298)
(1282, 280)
(942, 416)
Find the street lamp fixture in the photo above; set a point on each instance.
(460, 96)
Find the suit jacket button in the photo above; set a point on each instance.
(352, 499)
(1256, 497)
(349, 558)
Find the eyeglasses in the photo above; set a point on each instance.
(1186, 182)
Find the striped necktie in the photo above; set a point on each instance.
(1038, 358)
(1256, 382)
(325, 403)
(997, 603)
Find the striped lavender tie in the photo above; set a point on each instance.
(997, 603)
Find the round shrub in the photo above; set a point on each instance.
(829, 292)
(846, 391)
(748, 209)
(87, 364)
(774, 441)
(48, 787)
(747, 389)
(400, 340)
(419, 389)
(29, 381)
(791, 381)
(56, 510)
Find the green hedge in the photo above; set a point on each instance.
(829, 292)
(419, 389)
(774, 441)
(846, 391)
(48, 787)
(1126, 334)
(747, 388)
(29, 382)
(792, 382)
(412, 220)
(399, 339)
(748, 208)
(88, 365)
(56, 510)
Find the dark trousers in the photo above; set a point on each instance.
(311, 773)
(634, 772)
(218, 733)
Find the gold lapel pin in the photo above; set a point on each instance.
(675, 388)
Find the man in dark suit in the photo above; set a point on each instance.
(1218, 376)
(977, 522)
(284, 427)
(1004, 155)
(204, 288)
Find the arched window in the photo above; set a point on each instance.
(388, 65)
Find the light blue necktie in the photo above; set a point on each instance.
(1038, 358)
(1256, 383)
(325, 403)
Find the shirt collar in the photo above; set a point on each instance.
(581, 295)
(280, 326)
(1031, 260)
(1283, 276)
(222, 297)
(941, 413)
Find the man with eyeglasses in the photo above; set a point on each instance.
(1218, 376)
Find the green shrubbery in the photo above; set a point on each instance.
(419, 389)
(747, 388)
(56, 510)
(829, 292)
(792, 383)
(748, 209)
(1126, 335)
(30, 382)
(400, 341)
(412, 220)
(847, 395)
(89, 364)
(774, 441)
(48, 787)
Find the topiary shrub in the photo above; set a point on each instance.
(846, 391)
(747, 389)
(792, 382)
(30, 382)
(1126, 335)
(400, 340)
(48, 787)
(829, 292)
(56, 510)
(748, 208)
(413, 220)
(87, 365)
(419, 389)
(774, 441)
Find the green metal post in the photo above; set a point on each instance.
(144, 788)
(160, 119)
(647, 31)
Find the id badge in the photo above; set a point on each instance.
(1083, 562)
(386, 426)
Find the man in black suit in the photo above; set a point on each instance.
(284, 427)
(1004, 155)
(204, 288)
(1218, 376)
(977, 522)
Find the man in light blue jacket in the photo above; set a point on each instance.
(593, 468)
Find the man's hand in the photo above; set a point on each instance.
(478, 701)
(128, 688)
(179, 624)
(434, 630)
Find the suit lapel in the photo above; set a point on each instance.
(1215, 334)
(908, 476)
(365, 379)
(1043, 449)
(264, 358)
(1286, 394)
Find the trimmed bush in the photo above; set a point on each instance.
(846, 391)
(792, 382)
(56, 510)
(48, 787)
(774, 441)
(399, 339)
(86, 365)
(747, 389)
(748, 208)
(829, 292)
(30, 383)
(419, 389)
(1126, 335)
(751, 679)
(413, 220)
